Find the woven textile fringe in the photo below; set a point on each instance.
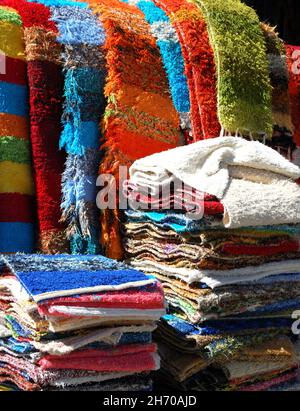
(16, 180)
(82, 37)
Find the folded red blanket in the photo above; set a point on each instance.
(183, 198)
(150, 297)
(259, 250)
(264, 385)
(131, 358)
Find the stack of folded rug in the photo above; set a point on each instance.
(73, 322)
(218, 223)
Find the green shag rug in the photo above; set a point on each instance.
(244, 87)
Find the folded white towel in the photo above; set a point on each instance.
(204, 165)
(254, 182)
(260, 198)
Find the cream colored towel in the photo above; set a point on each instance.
(258, 197)
(254, 182)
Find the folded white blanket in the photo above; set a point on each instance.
(105, 312)
(109, 336)
(218, 278)
(253, 181)
(260, 198)
(204, 165)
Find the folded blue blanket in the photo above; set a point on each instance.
(276, 307)
(220, 339)
(16, 329)
(180, 223)
(174, 221)
(219, 327)
(51, 276)
(21, 348)
(18, 347)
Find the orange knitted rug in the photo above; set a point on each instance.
(140, 118)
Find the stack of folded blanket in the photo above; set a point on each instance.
(217, 222)
(73, 322)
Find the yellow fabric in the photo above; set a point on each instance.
(16, 178)
(3, 388)
(11, 41)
